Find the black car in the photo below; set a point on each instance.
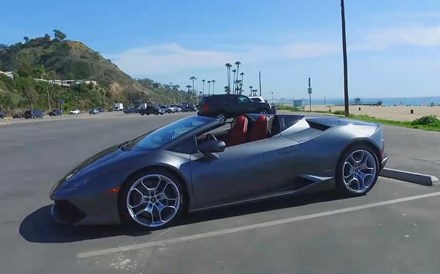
(131, 110)
(2, 115)
(230, 105)
(18, 115)
(94, 111)
(56, 112)
(151, 110)
(28, 114)
(189, 108)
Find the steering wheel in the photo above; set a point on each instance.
(211, 137)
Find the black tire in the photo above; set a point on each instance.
(263, 111)
(221, 115)
(341, 186)
(126, 218)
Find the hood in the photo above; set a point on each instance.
(99, 158)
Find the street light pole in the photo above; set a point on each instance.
(344, 52)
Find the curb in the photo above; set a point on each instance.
(412, 177)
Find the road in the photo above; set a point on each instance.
(393, 229)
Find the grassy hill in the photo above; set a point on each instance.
(60, 59)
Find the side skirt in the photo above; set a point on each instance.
(308, 183)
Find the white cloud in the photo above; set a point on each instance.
(419, 36)
(166, 58)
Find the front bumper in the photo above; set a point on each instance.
(85, 208)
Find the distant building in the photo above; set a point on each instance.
(10, 74)
(67, 83)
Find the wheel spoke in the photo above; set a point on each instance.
(138, 210)
(351, 169)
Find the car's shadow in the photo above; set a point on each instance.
(39, 226)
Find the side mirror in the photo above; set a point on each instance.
(210, 148)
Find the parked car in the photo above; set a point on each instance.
(28, 114)
(18, 115)
(226, 106)
(2, 115)
(192, 163)
(177, 108)
(56, 112)
(163, 109)
(131, 110)
(189, 108)
(94, 111)
(171, 109)
(151, 110)
(101, 109)
(75, 112)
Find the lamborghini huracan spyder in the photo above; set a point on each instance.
(200, 162)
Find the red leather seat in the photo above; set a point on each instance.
(238, 133)
(259, 129)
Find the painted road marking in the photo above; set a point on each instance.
(250, 227)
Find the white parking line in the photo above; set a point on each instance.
(250, 227)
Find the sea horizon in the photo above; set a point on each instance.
(386, 101)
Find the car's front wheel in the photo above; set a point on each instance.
(357, 170)
(152, 200)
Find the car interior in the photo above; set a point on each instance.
(244, 129)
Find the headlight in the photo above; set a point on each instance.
(76, 183)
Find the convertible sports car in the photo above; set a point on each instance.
(200, 162)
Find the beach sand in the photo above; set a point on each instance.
(396, 113)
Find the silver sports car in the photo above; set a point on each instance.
(199, 162)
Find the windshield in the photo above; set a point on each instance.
(168, 133)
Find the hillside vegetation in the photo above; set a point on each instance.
(60, 59)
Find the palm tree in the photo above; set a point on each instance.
(209, 87)
(203, 86)
(193, 78)
(213, 83)
(228, 74)
(251, 87)
(234, 82)
(238, 63)
(241, 86)
(188, 87)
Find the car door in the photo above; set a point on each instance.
(244, 171)
(246, 105)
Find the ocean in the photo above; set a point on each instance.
(404, 101)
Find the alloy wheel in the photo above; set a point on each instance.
(153, 200)
(359, 171)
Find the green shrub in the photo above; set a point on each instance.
(430, 120)
(339, 112)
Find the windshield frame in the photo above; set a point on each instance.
(133, 144)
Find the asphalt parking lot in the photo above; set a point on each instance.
(393, 229)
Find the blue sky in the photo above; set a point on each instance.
(394, 45)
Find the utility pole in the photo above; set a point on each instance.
(259, 80)
(344, 52)
(48, 97)
(309, 91)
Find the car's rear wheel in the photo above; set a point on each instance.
(357, 170)
(152, 200)
(221, 116)
(263, 111)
